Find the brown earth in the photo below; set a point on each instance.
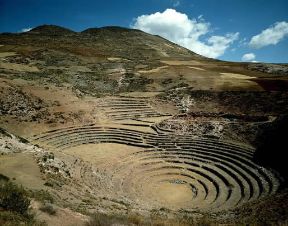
(134, 128)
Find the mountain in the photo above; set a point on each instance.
(50, 30)
(135, 51)
(114, 41)
(117, 121)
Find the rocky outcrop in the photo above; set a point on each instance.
(277, 69)
(15, 102)
(48, 163)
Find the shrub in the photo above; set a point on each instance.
(3, 178)
(41, 196)
(8, 218)
(100, 220)
(48, 208)
(12, 218)
(13, 198)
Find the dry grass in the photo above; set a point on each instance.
(137, 220)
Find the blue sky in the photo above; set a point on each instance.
(225, 27)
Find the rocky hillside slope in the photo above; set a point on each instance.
(114, 120)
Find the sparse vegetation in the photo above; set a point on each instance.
(48, 208)
(14, 198)
(271, 210)
(134, 83)
(98, 219)
(9, 218)
(42, 196)
(14, 204)
(3, 178)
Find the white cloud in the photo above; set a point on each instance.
(249, 57)
(243, 42)
(270, 36)
(176, 3)
(178, 28)
(200, 17)
(26, 29)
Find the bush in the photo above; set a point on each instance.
(48, 208)
(13, 218)
(3, 177)
(41, 196)
(100, 220)
(8, 218)
(13, 198)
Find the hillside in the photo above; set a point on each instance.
(117, 121)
